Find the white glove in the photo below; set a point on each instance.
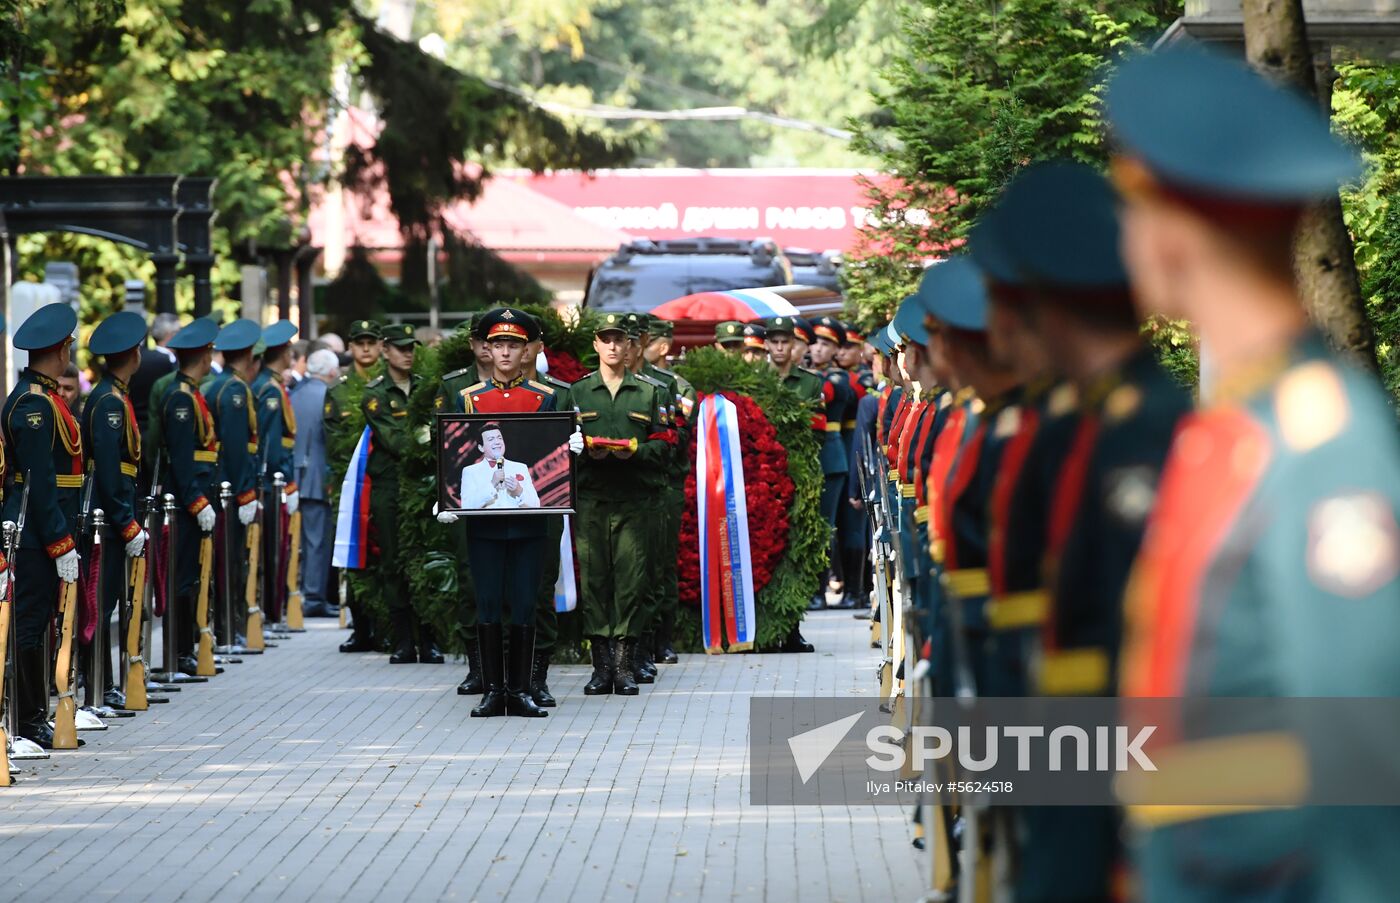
(293, 499)
(444, 517)
(205, 519)
(4, 581)
(135, 545)
(247, 512)
(576, 442)
(68, 566)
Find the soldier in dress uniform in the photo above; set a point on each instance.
(1271, 561)
(851, 527)
(112, 446)
(839, 400)
(366, 349)
(655, 643)
(629, 448)
(729, 336)
(451, 398)
(802, 339)
(235, 421)
(385, 407)
(508, 552)
(754, 350)
(190, 441)
(277, 437)
(43, 448)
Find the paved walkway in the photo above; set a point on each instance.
(304, 774)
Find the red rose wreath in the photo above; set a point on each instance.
(768, 491)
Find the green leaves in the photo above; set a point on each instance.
(977, 91)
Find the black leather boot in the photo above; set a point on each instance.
(471, 685)
(32, 694)
(428, 652)
(795, 642)
(642, 667)
(405, 653)
(539, 680)
(665, 652)
(519, 702)
(601, 684)
(493, 666)
(624, 667)
(362, 637)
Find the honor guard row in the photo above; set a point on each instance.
(104, 517)
(1052, 516)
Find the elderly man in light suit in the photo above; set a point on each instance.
(309, 460)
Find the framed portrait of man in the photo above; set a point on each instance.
(505, 463)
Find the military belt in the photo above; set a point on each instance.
(968, 582)
(62, 480)
(1015, 611)
(129, 469)
(848, 425)
(833, 427)
(1074, 672)
(1270, 765)
(921, 515)
(208, 457)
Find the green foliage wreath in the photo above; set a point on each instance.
(783, 601)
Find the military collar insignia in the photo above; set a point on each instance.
(45, 381)
(120, 386)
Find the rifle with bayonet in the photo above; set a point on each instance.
(134, 672)
(295, 619)
(253, 630)
(65, 729)
(8, 706)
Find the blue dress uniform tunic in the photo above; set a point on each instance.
(277, 431)
(112, 445)
(43, 447)
(232, 405)
(192, 450)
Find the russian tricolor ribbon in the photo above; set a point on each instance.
(726, 570)
(566, 587)
(352, 518)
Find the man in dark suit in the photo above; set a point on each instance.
(310, 469)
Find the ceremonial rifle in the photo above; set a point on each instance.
(134, 674)
(65, 730)
(253, 630)
(204, 660)
(294, 616)
(8, 706)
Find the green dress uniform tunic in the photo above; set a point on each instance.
(612, 535)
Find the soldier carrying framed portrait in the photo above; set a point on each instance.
(517, 463)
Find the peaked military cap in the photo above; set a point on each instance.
(879, 340)
(662, 328)
(892, 338)
(46, 327)
(780, 325)
(611, 323)
(279, 333)
(953, 293)
(399, 335)
(644, 320)
(802, 329)
(364, 329)
(729, 331)
(198, 333)
(237, 336)
(829, 328)
(754, 336)
(632, 325)
(908, 322)
(853, 334)
(509, 323)
(1209, 125)
(987, 245)
(120, 332)
(1058, 224)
